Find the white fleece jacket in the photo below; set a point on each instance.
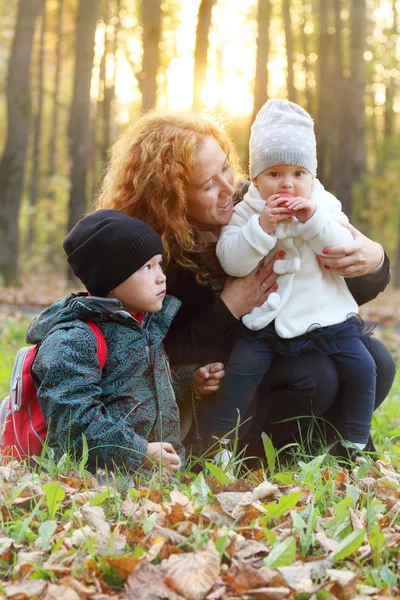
(307, 292)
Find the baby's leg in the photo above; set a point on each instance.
(357, 376)
(247, 365)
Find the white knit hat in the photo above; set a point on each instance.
(282, 134)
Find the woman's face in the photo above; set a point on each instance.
(210, 192)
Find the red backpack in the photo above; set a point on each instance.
(22, 425)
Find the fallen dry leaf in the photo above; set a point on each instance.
(147, 582)
(193, 574)
(60, 592)
(26, 589)
(95, 517)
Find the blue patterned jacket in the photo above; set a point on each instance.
(124, 406)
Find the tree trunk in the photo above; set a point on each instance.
(151, 20)
(37, 124)
(351, 152)
(12, 164)
(324, 90)
(111, 46)
(56, 92)
(357, 68)
(201, 50)
(337, 93)
(261, 76)
(289, 50)
(306, 53)
(79, 127)
(390, 86)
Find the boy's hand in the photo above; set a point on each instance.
(207, 379)
(275, 210)
(302, 208)
(164, 452)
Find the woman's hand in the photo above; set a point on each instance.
(242, 294)
(354, 260)
(207, 379)
(164, 452)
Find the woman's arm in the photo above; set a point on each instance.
(363, 263)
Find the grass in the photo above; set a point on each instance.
(205, 529)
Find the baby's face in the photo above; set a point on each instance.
(284, 179)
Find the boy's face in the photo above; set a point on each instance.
(284, 179)
(144, 291)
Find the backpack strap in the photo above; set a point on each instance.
(101, 346)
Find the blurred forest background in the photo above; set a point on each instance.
(75, 73)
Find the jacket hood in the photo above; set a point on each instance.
(82, 307)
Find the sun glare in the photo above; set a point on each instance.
(232, 51)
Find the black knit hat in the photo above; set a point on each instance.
(107, 247)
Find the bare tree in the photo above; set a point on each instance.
(261, 76)
(306, 53)
(322, 128)
(357, 68)
(111, 47)
(287, 21)
(12, 164)
(337, 93)
(79, 126)
(391, 81)
(151, 20)
(351, 154)
(37, 125)
(55, 99)
(201, 49)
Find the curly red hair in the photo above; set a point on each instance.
(148, 174)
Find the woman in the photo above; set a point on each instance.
(177, 173)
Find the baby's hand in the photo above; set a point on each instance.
(164, 452)
(302, 208)
(275, 210)
(207, 379)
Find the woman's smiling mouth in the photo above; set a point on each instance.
(227, 205)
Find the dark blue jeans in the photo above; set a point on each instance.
(250, 361)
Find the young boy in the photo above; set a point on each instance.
(287, 210)
(127, 411)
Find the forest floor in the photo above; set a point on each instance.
(299, 527)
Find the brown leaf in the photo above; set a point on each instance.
(135, 535)
(345, 583)
(28, 558)
(123, 565)
(235, 504)
(193, 574)
(30, 493)
(215, 514)
(248, 578)
(170, 535)
(300, 577)
(147, 582)
(176, 514)
(269, 593)
(61, 562)
(60, 592)
(250, 550)
(82, 590)
(95, 517)
(25, 589)
(128, 506)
